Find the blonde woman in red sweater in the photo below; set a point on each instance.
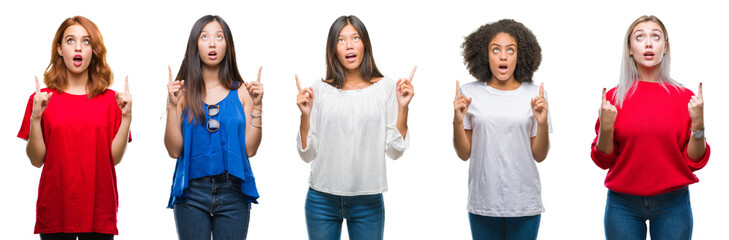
(650, 135)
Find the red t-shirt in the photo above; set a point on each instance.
(652, 132)
(77, 190)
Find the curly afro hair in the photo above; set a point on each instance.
(476, 50)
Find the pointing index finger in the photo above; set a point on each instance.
(126, 84)
(701, 92)
(298, 84)
(412, 73)
(37, 85)
(458, 88)
(604, 93)
(258, 79)
(541, 90)
(169, 69)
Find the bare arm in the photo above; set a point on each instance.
(540, 142)
(173, 127)
(119, 143)
(36, 147)
(461, 137)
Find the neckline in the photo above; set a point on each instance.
(354, 91)
(221, 100)
(504, 92)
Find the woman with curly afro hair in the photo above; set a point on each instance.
(505, 118)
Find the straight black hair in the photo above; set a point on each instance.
(335, 70)
(191, 68)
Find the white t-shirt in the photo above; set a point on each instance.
(350, 132)
(503, 180)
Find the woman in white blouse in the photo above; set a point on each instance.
(348, 123)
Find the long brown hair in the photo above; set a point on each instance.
(191, 68)
(335, 70)
(100, 75)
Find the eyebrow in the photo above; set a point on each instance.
(219, 31)
(496, 44)
(655, 29)
(71, 35)
(353, 34)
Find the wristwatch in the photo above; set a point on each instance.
(698, 134)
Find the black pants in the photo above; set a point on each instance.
(72, 236)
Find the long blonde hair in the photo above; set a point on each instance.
(629, 69)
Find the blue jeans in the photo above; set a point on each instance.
(213, 204)
(492, 228)
(669, 215)
(365, 216)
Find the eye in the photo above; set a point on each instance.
(341, 40)
(204, 37)
(85, 42)
(219, 37)
(496, 50)
(510, 50)
(656, 37)
(70, 41)
(639, 37)
(356, 38)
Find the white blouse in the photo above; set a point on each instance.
(349, 132)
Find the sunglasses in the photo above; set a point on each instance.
(213, 125)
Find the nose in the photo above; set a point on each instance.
(502, 55)
(648, 44)
(77, 46)
(349, 44)
(212, 44)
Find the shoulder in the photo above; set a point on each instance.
(471, 86)
(384, 81)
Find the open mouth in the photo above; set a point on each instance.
(503, 68)
(649, 55)
(213, 55)
(78, 60)
(350, 57)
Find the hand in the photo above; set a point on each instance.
(40, 101)
(460, 104)
(540, 107)
(124, 100)
(405, 89)
(608, 112)
(255, 89)
(174, 89)
(305, 98)
(696, 110)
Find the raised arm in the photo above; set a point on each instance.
(540, 142)
(173, 128)
(461, 136)
(119, 143)
(253, 107)
(36, 147)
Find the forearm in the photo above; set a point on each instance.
(402, 120)
(119, 143)
(605, 140)
(36, 146)
(540, 143)
(696, 147)
(173, 132)
(304, 129)
(461, 142)
(254, 130)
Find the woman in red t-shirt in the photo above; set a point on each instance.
(77, 129)
(650, 135)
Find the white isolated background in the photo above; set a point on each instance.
(581, 46)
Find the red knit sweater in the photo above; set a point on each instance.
(651, 135)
